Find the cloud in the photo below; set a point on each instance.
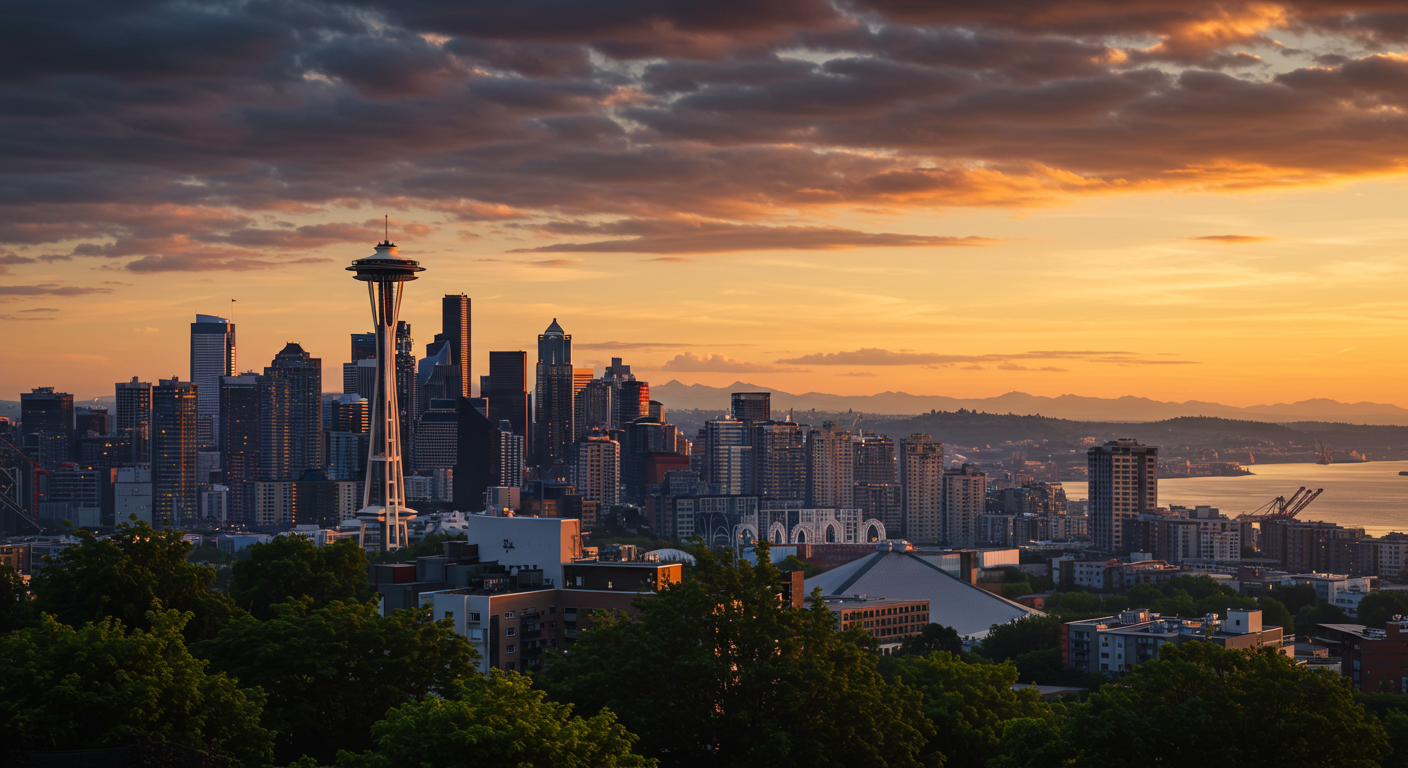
(877, 356)
(671, 259)
(689, 362)
(720, 237)
(22, 319)
(50, 289)
(40, 309)
(623, 345)
(556, 263)
(1233, 239)
(1044, 369)
(857, 374)
(14, 258)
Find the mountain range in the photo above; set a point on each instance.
(677, 396)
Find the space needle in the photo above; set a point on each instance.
(384, 499)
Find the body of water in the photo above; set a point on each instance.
(1370, 495)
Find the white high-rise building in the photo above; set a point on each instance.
(596, 469)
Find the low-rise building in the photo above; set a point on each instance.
(888, 620)
(1115, 644)
(1372, 660)
(1340, 591)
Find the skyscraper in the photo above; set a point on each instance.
(728, 458)
(752, 407)
(212, 356)
(921, 465)
(553, 402)
(455, 327)
(407, 393)
(593, 407)
(134, 416)
(479, 463)
(437, 438)
(830, 468)
(780, 462)
(632, 402)
(384, 495)
(174, 415)
(239, 443)
(596, 470)
(964, 496)
(508, 391)
(1124, 483)
(291, 415)
(877, 489)
(46, 426)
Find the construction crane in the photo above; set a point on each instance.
(1325, 457)
(14, 507)
(1282, 508)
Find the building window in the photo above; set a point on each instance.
(510, 632)
(474, 616)
(511, 649)
(509, 666)
(508, 614)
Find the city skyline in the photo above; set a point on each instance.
(1193, 201)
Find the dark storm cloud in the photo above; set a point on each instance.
(164, 135)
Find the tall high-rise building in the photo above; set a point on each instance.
(780, 462)
(632, 402)
(363, 346)
(921, 465)
(752, 407)
(175, 411)
(479, 463)
(877, 488)
(643, 437)
(596, 471)
(455, 327)
(239, 443)
(134, 415)
(291, 415)
(508, 391)
(964, 495)
(553, 402)
(437, 435)
(91, 420)
(1124, 483)
(212, 356)
(407, 393)
(508, 457)
(46, 426)
(593, 407)
(830, 468)
(728, 457)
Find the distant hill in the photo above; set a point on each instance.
(677, 396)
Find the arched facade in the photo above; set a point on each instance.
(815, 526)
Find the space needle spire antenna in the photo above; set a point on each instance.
(384, 512)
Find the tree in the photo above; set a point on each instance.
(793, 563)
(1258, 707)
(1378, 607)
(1275, 614)
(934, 637)
(332, 672)
(102, 685)
(1311, 617)
(718, 671)
(120, 576)
(1295, 596)
(293, 566)
(1033, 743)
(968, 704)
(499, 720)
(16, 609)
(1032, 632)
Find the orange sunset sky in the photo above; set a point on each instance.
(1176, 200)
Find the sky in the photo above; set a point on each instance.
(1168, 199)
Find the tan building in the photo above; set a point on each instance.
(888, 620)
(830, 469)
(596, 469)
(921, 465)
(964, 495)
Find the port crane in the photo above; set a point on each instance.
(1282, 508)
(12, 511)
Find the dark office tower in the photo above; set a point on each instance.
(508, 391)
(877, 491)
(617, 372)
(239, 443)
(174, 415)
(1124, 483)
(593, 407)
(552, 415)
(752, 407)
(363, 346)
(643, 437)
(212, 356)
(407, 393)
(134, 416)
(454, 322)
(780, 462)
(91, 420)
(436, 432)
(348, 413)
(291, 415)
(46, 426)
(633, 402)
(477, 454)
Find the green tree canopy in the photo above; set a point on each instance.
(934, 637)
(1257, 707)
(1379, 606)
(293, 566)
(1310, 617)
(120, 576)
(332, 672)
(968, 704)
(718, 671)
(16, 610)
(1032, 632)
(495, 721)
(103, 685)
(1275, 614)
(1294, 596)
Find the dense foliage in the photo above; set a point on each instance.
(717, 671)
(102, 685)
(293, 566)
(124, 576)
